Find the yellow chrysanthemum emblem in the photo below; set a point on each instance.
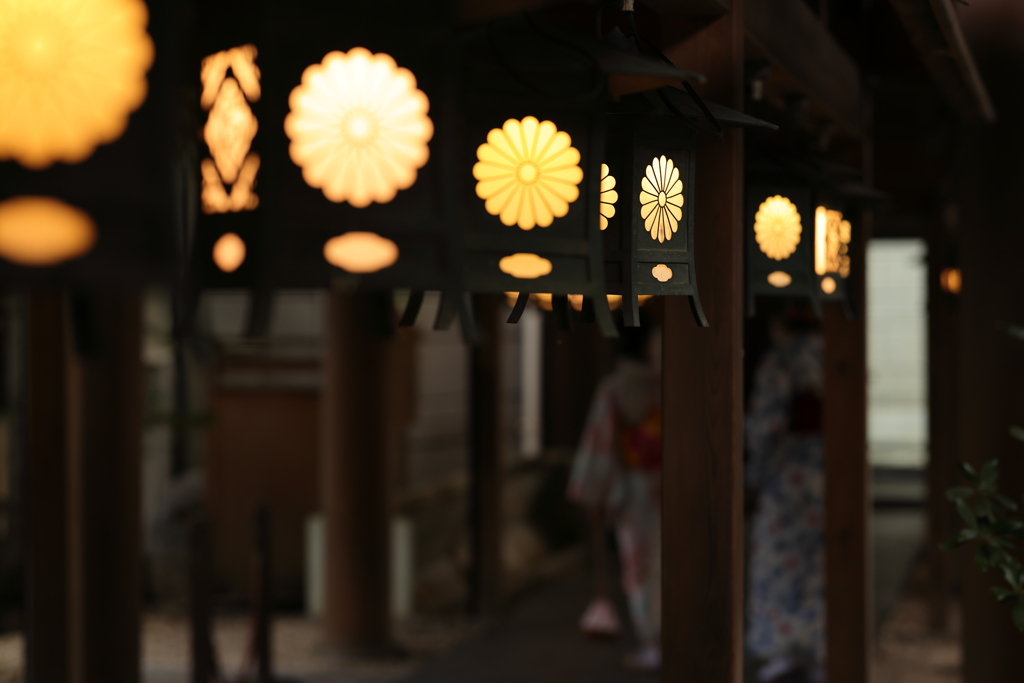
(71, 71)
(777, 227)
(661, 198)
(528, 173)
(359, 127)
(608, 196)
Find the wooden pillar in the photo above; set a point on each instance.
(848, 568)
(942, 432)
(47, 644)
(104, 502)
(849, 589)
(485, 457)
(354, 472)
(702, 526)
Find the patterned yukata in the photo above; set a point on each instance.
(616, 468)
(786, 593)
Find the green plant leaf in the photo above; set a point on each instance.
(1001, 594)
(960, 492)
(982, 557)
(983, 510)
(964, 510)
(989, 473)
(969, 472)
(1018, 614)
(1017, 432)
(1005, 501)
(965, 536)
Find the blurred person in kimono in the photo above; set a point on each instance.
(616, 475)
(786, 591)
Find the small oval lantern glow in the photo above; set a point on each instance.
(828, 285)
(661, 273)
(359, 127)
(661, 199)
(42, 231)
(70, 74)
(528, 173)
(608, 196)
(361, 252)
(229, 252)
(777, 227)
(525, 266)
(780, 279)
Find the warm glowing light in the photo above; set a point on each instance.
(528, 173)
(777, 227)
(608, 196)
(951, 280)
(780, 279)
(543, 301)
(242, 198)
(661, 199)
(229, 252)
(828, 285)
(831, 242)
(71, 71)
(359, 127)
(661, 272)
(230, 129)
(42, 231)
(361, 252)
(525, 266)
(214, 70)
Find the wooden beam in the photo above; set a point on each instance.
(702, 521)
(794, 39)
(47, 644)
(934, 31)
(689, 9)
(104, 502)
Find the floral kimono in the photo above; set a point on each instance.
(618, 468)
(785, 605)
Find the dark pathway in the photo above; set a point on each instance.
(537, 643)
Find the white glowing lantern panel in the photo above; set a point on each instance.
(359, 127)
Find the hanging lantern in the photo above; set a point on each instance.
(798, 238)
(781, 240)
(87, 186)
(541, 193)
(649, 188)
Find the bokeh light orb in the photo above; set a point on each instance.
(43, 231)
(71, 71)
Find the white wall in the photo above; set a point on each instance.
(897, 353)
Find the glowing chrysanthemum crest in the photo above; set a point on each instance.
(777, 227)
(359, 127)
(528, 173)
(71, 71)
(608, 196)
(661, 198)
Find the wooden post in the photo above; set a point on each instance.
(47, 644)
(104, 501)
(354, 459)
(485, 516)
(849, 591)
(942, 433)
(702, 525)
